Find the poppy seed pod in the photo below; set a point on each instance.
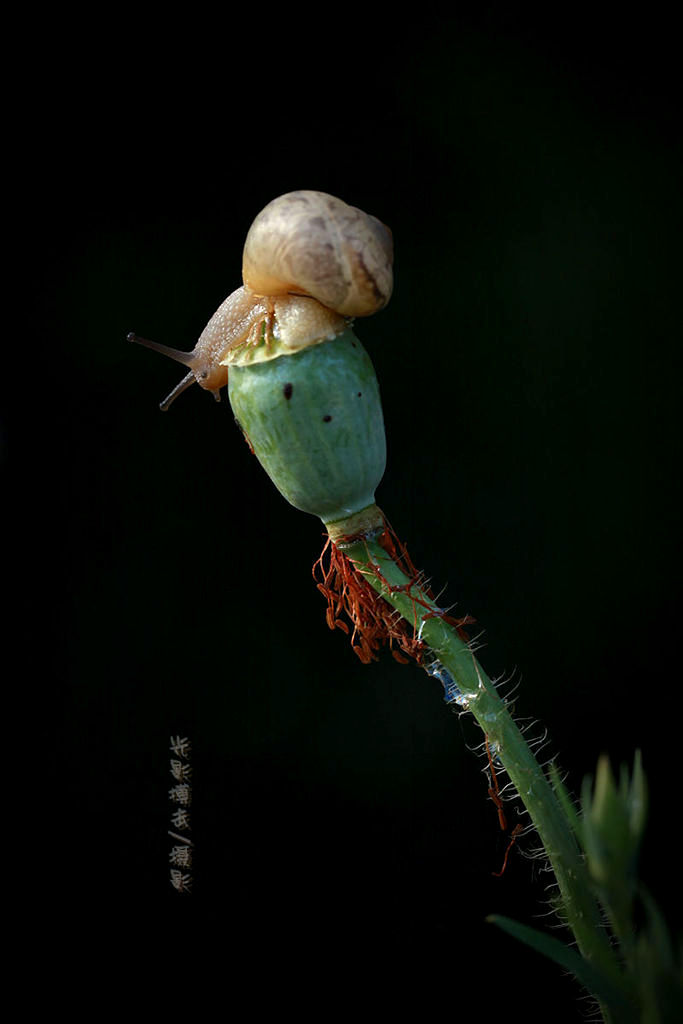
(314, 421)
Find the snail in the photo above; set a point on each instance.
(310, 264)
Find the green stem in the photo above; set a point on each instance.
(579, 906)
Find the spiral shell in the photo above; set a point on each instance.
(311, 243)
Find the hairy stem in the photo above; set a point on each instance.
(578, 905)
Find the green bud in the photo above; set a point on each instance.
(612, 831)
(614, 821)
(314, 421)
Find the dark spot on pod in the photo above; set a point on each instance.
(326, 419)
(287, 390)
(353, 343)
(360, 393)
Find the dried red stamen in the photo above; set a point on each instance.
(494, 793)
(513, 839)
(494, 789)
(373, 620)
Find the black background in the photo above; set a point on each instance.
(529, 367)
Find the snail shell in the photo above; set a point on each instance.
(311, 243)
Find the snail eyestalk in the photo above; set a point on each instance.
(186, 358)
(181, 386)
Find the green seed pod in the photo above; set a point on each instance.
(314, 421)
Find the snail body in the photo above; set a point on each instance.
(310, 262)
(251, 329)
